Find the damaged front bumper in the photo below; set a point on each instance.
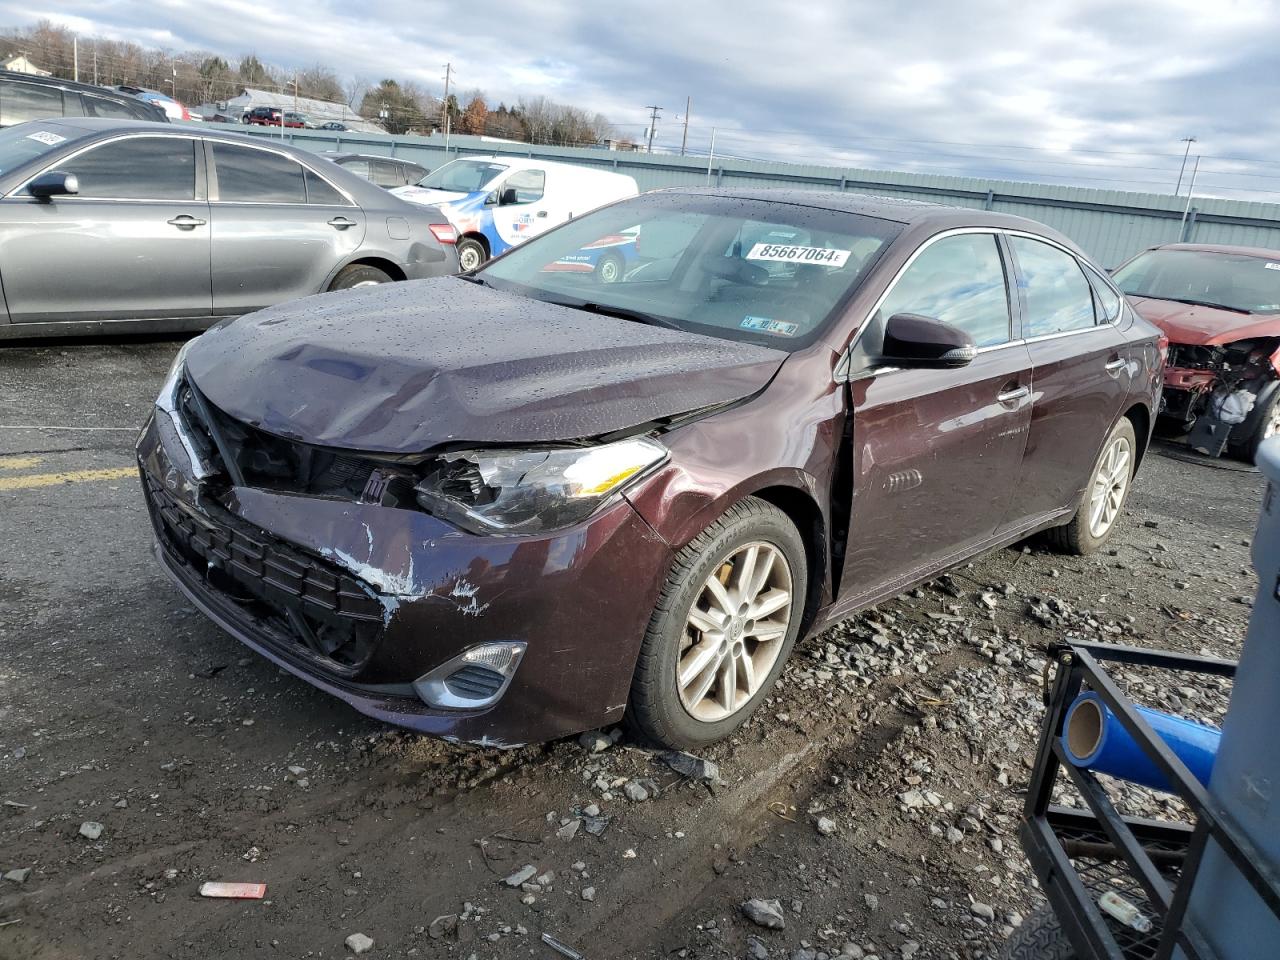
(363, 600)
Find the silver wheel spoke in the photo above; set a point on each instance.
(698, 658)
(734, 632)
(768, 603)
(1110, 484)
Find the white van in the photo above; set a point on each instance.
(498, 202)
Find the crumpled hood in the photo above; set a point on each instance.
(404, 367)
(1204, 326)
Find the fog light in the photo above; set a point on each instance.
(472, 680)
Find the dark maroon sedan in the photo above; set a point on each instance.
(518, 504)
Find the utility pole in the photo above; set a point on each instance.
(1182, 230)
(711, 155)
(1188, 141)
(95, 63)
(653, 123)
(75, 59)
(448, 118)
(684, 138)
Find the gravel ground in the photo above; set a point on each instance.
(869, 809)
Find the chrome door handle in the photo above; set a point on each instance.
(1009, 396)
(1114, 365)
(186, 222)
(341, 223)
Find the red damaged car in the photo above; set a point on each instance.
(1220, 308)
(521, 503)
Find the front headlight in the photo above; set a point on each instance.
(532, 491)
(168, 398)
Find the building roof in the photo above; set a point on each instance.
(321, 111)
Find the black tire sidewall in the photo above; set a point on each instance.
(663, 717)
(355, 273)
(1086, 541)
(469, 244)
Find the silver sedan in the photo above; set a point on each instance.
(110, 225)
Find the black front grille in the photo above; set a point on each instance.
(328, 615)
(474, 682)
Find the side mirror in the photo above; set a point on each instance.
(915, 341)
(507, 196)
(52, 184)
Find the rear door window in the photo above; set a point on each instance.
(138, 168)
(958, 280)
(359, 167)
(114, 109)
(1108, 299)
(1059, 298)
(20, 102)
(386, 173)
(246, 175)
(321, 191)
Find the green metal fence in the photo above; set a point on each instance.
(1111, 225)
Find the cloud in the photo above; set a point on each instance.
(1093, 93)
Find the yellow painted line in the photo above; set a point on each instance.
(72, 476)
(20, 463)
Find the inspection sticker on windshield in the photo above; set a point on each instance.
(45, 137)
(764, 325)
(792, 253)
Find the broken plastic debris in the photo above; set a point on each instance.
(233, 891)
(1124, 911)
(561, 948)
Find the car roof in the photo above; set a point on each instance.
(1262, 253)
(64, 84)
(336, 154)
(896, 209)
(523, 163)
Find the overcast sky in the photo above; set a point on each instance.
(1091, 93)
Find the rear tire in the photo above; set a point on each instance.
(1039, 938)
(1102, 503)
(471, 254)
(694, 685)
(358, 275)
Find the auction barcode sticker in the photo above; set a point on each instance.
(45, 137)
(790, 253)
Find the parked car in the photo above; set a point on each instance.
(24, 96)
(171, 107)
(272, 117)
(333, 125)
(517, 504)
(498, 202)
(607, 259)
(118, 225)
(1220, 308)
(384, 171)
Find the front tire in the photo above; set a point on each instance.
(1100, 506)
(610, 269)
(1039, 938)
(471, 254)
(724, 625)
(358, 275)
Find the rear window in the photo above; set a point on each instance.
(750, 270)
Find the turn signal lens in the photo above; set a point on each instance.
(444, 232)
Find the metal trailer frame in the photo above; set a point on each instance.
(1076, 854)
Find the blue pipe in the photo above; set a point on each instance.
(1093, 738)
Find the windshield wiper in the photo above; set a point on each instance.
(1206, 303)
(622, 313)
(472, 278)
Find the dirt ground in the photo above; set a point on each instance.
(875, 796)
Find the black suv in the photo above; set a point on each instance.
(24, 96)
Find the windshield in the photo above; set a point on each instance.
(1232, 281)
(754, 270)
(25, 142)
(462, 176)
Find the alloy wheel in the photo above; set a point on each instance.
(469, 259)
(1110, 484)
(734, 632)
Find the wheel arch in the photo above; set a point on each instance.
(802, 509)
(385, 264)
(1139, 414)
(480, 238)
